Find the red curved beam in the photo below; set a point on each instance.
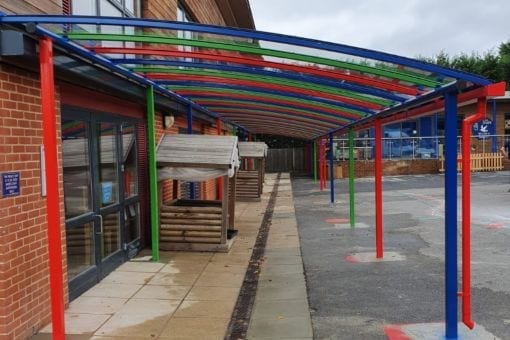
(263, 108)
(282, 122)
(219, 94)
(263, 85)
(295, 134)
(328, 73)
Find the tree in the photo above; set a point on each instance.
(504, 61)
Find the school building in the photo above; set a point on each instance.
(102, 156)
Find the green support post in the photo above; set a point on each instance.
(153, 176)
(352, 214)
(315, 161)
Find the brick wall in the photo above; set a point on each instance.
(24, 282)
(203, 11)
(31, 6)
(392, 167)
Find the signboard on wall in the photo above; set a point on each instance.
(10, 184)
(483, 129)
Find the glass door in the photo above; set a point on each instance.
(100, 196)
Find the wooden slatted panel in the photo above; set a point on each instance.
(248, 185)
(184, 221)
(198, 151)
(252, 149)
(480, 162)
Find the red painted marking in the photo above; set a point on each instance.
(395, 332)
(351, 259)
(336, 220)
(244, 60)
(495, 226)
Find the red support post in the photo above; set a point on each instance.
(322, 165)
(52, 187)
(378, 190)
(467, 124)
(219, 182)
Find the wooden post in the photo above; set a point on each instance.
(224, 209)
(232, 202)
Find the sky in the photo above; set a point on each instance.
(409, 28)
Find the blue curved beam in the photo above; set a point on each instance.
(260, 71)
(192, 84)
(253, 35)
(206, 97)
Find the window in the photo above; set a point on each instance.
(112, 8)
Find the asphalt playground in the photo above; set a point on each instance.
(353, 297)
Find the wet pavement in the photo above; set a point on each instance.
(346, 294)
(186, 295)
(353, 299)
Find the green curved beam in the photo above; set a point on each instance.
(406, 76)
(265, 106)
(266, 95)
(224, 110)
(266, 79)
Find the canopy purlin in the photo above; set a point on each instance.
(264, 82)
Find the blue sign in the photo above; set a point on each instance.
(107, 192)
(10, 184)
(483, 129)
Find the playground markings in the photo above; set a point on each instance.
(434, 331)
(348, 226)
(336, 220)
(389, 256)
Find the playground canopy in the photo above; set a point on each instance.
(263, 83)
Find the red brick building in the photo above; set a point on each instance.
(102, 160)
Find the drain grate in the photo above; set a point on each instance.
(240, 319)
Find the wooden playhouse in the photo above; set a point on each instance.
(198, 225)
(250, 177)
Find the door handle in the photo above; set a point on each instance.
(101, 222)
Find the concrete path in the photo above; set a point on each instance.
(183, 296)
(281, 305)
(192, 295)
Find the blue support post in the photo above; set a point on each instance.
(190, 132)
(331, 170)
(494, 122)
(451, 215)
(436, 132)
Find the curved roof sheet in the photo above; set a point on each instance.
(264, 82)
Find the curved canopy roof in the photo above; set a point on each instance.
(264, 82)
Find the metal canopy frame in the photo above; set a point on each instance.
(265, 83)
(347, 84)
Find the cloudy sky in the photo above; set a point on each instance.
(405, 27)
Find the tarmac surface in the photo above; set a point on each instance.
(353, 299)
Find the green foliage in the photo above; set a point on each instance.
(492, 65)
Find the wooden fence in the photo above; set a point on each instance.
(480, 162)
(285, 160)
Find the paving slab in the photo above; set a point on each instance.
(186, 295)
(281, 309)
